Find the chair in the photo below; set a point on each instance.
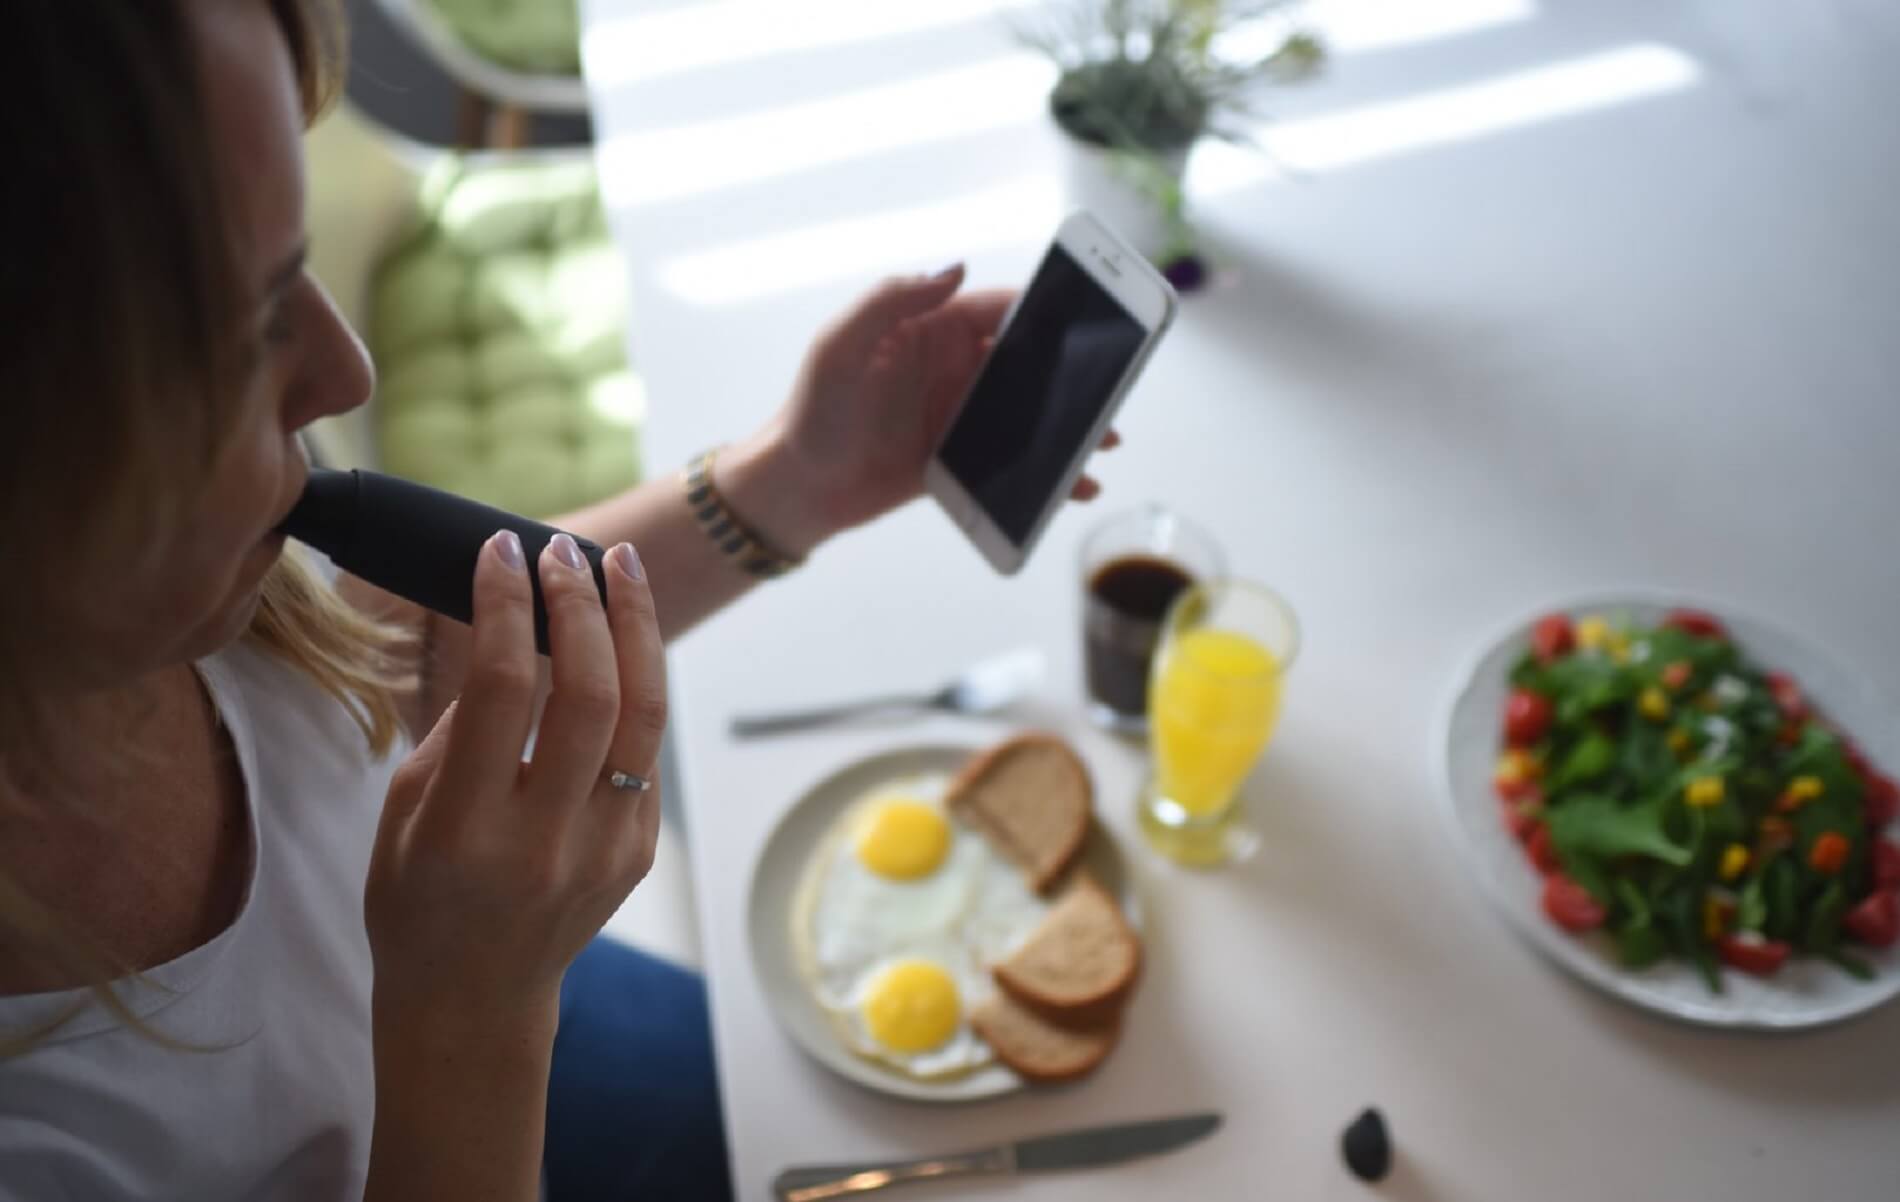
(493, 301)
(511, 58)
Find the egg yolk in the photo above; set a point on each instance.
(904, 840)
(912, 1007)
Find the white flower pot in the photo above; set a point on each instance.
(1102, 182)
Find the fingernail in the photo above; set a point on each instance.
(567, 552)
(947, 272)
(627, 560)
(508, 549)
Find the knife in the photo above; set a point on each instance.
(1069, 1150)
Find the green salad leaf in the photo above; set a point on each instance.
(1751, 913)
(1784, 902)
(1638, 941)
(1822, 933)
(1852, 965)
(1589, 758)
(1593, 826)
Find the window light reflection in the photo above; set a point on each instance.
(1022, 211)
(690, 160)
(652, 45)
(1337, 140)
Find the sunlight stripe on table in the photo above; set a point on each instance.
(648, 45)
(1024, 210)
(1358, 26)
(1470, 111)
(691, 160)
(1348, 27)
(908, 239)
(1008, 90)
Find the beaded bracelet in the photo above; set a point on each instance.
(750, 553)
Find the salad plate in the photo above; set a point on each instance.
(1688, 812)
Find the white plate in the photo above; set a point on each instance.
(775, 880)
(1805, 993)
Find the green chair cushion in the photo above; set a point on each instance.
(537, 37)
(499, 329)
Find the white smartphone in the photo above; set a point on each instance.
(1069, 350)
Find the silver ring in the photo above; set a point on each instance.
(629, 781)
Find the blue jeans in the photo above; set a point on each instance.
(633, 1103)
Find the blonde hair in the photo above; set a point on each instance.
(121, 396)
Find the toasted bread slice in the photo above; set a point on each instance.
(1038, 1048)
(1081, 962)
(1032, 797)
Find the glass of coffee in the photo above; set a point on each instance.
(1134, 565)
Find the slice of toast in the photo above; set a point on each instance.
(1031, 797)
(1081, 962)
(1038, 1048)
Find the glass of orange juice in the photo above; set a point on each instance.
(1213, 700)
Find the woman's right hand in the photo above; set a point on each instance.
(490, 874)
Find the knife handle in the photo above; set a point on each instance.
(814, 1183)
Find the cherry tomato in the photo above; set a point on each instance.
(1570, 905)
(1677, 674)
(1520, 817)
(1761, 957)
(1883, 799)
(1876, 920)
(1787, 695)
(1542, 851)
(1694, 621)
(1527, 716)
(1829, 852)
(1522, 789)
(1886, 864)
(1553, 638)
(1774, 834)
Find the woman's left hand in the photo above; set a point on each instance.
(877, 390)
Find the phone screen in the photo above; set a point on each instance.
(1044, 385)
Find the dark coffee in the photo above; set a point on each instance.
(1127, 599)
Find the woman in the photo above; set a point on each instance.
(211, 841)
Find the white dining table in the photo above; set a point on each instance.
(1522, 299)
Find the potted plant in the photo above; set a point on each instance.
(1141, 81)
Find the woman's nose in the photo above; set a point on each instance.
(336, 375)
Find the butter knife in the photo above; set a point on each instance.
(1044, 1153)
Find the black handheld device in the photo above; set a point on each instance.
(417, 542)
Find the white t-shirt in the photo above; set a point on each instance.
(281, 1105)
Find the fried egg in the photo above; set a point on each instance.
(911, 1013)
(902, 910)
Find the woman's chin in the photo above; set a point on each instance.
(146, 631)
(219, 630)
(233, 617)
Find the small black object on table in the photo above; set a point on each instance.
(1367, 1147)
